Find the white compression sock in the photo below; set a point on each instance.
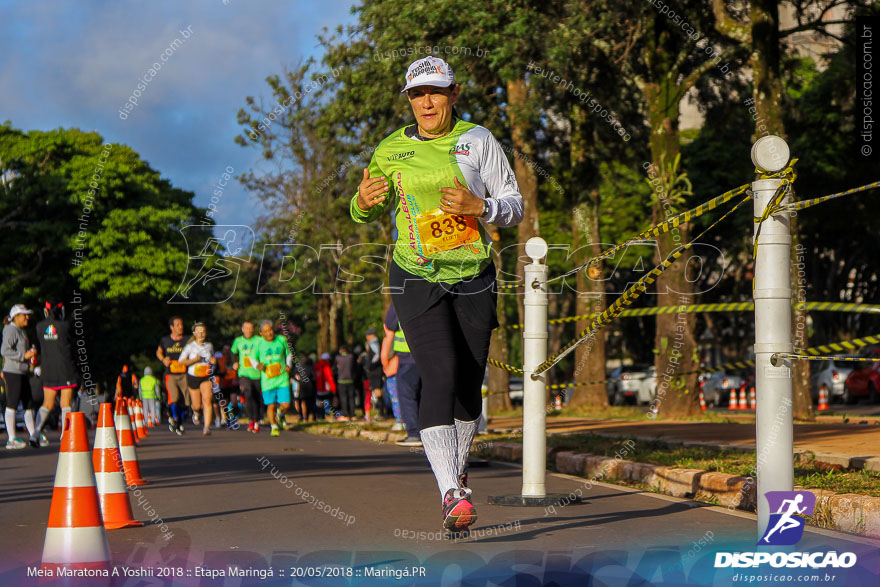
(64, 412)
(465, 432)
(440, 444)
(29, 422)
(10, 423)
(42, 417)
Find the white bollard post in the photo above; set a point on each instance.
(534, 456)
(535, 353)
(772, 295)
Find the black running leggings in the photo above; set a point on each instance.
(18, 389)
(451, 356)
(251, 389)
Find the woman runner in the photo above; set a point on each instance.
(443, 176)
(58, 369)
(198, 358)
(17, 352)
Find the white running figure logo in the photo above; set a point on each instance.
(786, 522)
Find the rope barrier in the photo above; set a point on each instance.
(630, 295)
(721, 307)
(774, 358)
(774, 206)
(663, 227)
(505, 366)
(802, 205)
(812, 353)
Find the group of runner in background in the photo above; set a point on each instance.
(258, 378)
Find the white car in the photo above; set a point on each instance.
(828, 375)
(626, 384)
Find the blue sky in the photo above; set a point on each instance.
(75, 64)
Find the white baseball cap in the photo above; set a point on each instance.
(18, 309)
(429, 71)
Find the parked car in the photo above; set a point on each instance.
(648, 387)
(626, 385)
(716, 389)
(515, 390)
(831, 376)
(863, 381)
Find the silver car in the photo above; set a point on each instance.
(626, 384)
(716, 390)
(828, 375)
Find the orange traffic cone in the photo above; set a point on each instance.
(129, 405)
(115, 504)
(743, 405)
(823, 400)
(75, 535)
(139, 419)
(753, 400)
(732, 404)
(125, 436)
(702, 401)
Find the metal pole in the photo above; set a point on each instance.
(534, 353)
(772, 295)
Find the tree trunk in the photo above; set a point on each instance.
(323, 324)
(765, 61)
(526, 177)
(590, 356)
(675, 345)
(335, 321)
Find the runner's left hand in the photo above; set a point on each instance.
(459, 200)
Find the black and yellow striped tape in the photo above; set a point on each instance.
(803, 204)
(721, 307)
(631, 294)
(662, 227)
(774, 358)
(505, 366)
(812, 353)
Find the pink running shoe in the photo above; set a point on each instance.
(458, 511)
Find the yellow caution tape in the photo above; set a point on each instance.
(505, 366)
(794, 206)
(774, 358)
(812, 353)
(630, 295)
(663, 227)
(721, 307)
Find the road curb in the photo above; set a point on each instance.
(856, 514)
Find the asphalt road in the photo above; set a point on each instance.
(352, 509)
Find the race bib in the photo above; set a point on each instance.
(202, 370)
(440, 231)
(273, 370)
(246, 362)
(176, 367)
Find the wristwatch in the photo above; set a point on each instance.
(485, 209)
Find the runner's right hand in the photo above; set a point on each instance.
(371, 191)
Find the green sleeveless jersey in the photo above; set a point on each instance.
(432, 244)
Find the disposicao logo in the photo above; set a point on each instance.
(785, 529)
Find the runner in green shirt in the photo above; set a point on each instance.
(271, 355)
(245, 347)
(443, 177)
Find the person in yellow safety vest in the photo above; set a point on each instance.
(150, 395)
(406, 375)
